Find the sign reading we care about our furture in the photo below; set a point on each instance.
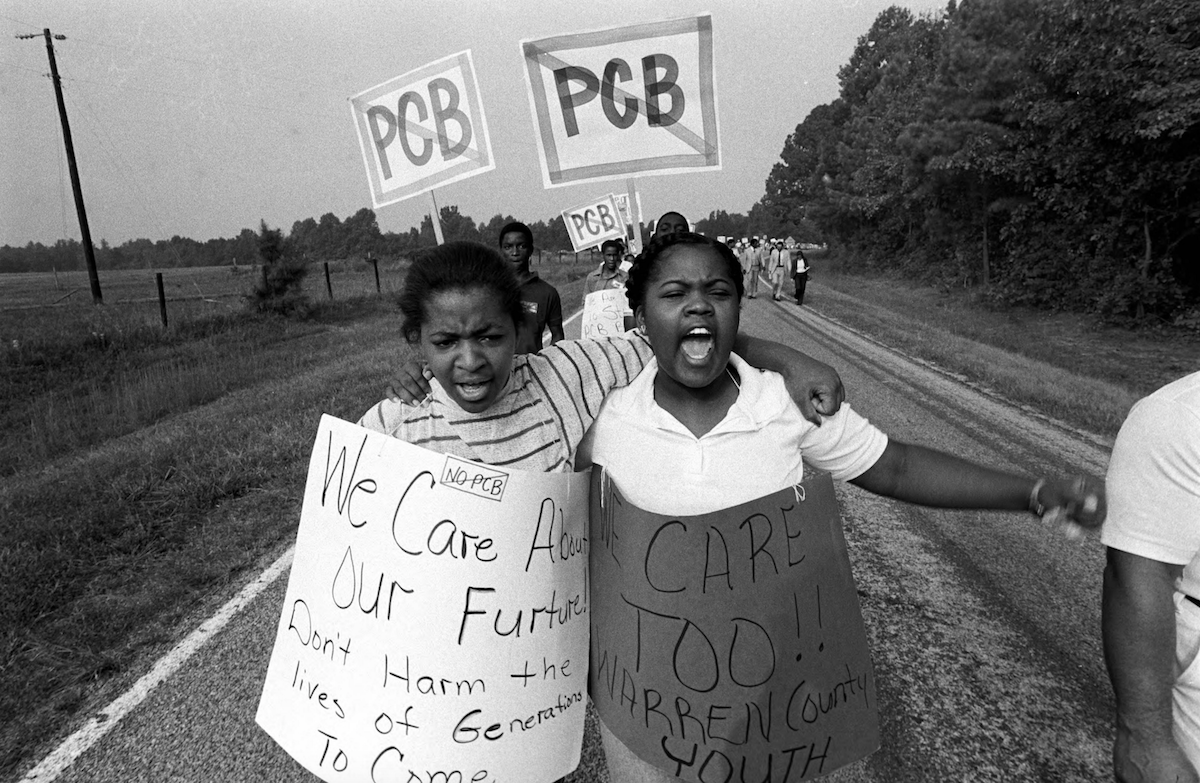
(613, 103)
(422, 130)
(436, 618)
(730, 646)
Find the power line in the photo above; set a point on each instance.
(115, 157)
(18, 21)
(23, 68)
(215, 66)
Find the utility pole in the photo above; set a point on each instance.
(89, 252)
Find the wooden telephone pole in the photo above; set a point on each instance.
(89, 252)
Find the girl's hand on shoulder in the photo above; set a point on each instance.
(410, 384)
(1076, 504)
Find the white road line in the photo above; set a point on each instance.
(74, 746)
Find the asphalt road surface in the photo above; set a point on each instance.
(984, 628)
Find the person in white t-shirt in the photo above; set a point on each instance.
(1151, 615)
(722, 433)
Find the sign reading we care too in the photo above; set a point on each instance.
(435, 622)
(612, 103)
(730, 646)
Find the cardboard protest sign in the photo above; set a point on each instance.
(730, 645)
(435, 623)
(612, 103)
(423, 129)
(593, 223)
(622, 202)
(604, 314)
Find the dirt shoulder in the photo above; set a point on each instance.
(1066, 365)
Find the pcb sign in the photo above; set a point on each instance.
(613, 103)
(423, 129)
(594, 222)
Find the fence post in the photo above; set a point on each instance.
(162, 298)
(328, 285)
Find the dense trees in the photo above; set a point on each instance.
(326, 238)
(1050, 148)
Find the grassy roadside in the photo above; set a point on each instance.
(116, 542)
(1065, 365)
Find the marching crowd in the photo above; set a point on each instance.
(685, 381)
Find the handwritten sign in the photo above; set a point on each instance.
(730, 645)
(423, 129)
(436, 618)
(604, 314)
(593, 223)
(612, 103)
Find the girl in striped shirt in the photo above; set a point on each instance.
(461, 306)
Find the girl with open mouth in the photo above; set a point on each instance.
(700, 431)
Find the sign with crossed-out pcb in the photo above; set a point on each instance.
(614, 103)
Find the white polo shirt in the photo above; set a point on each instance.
(660, 466)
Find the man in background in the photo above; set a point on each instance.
(539, 300)
(608, 274)
(753, 264)
(800, 273)
(1151, 609)
(779, 266)
(670, 223)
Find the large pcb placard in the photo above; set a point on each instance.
(423, 129)
(436, 618)
(612, 103)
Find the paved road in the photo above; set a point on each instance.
(984, 628)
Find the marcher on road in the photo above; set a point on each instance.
(1151, 610)
(698, 403)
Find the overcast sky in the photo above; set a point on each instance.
(201, 118)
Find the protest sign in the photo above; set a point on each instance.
(435, 622)
(604, 314)
(622, 201)
(730, 645)
(592, 223)
(612, 103)
(423, 129)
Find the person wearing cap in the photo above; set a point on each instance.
(1151, 610)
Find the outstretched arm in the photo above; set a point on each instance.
(815, 387)
(934, 478)
(1139, 648)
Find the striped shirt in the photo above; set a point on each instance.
(549, 402)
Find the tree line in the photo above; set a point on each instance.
(1048, 149)
(325, 239)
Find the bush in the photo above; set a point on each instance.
(280, 286)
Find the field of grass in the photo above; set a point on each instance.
(144, 473)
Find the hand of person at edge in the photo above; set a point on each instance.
(1076, 504)
(410, 384)
(1144, 761)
